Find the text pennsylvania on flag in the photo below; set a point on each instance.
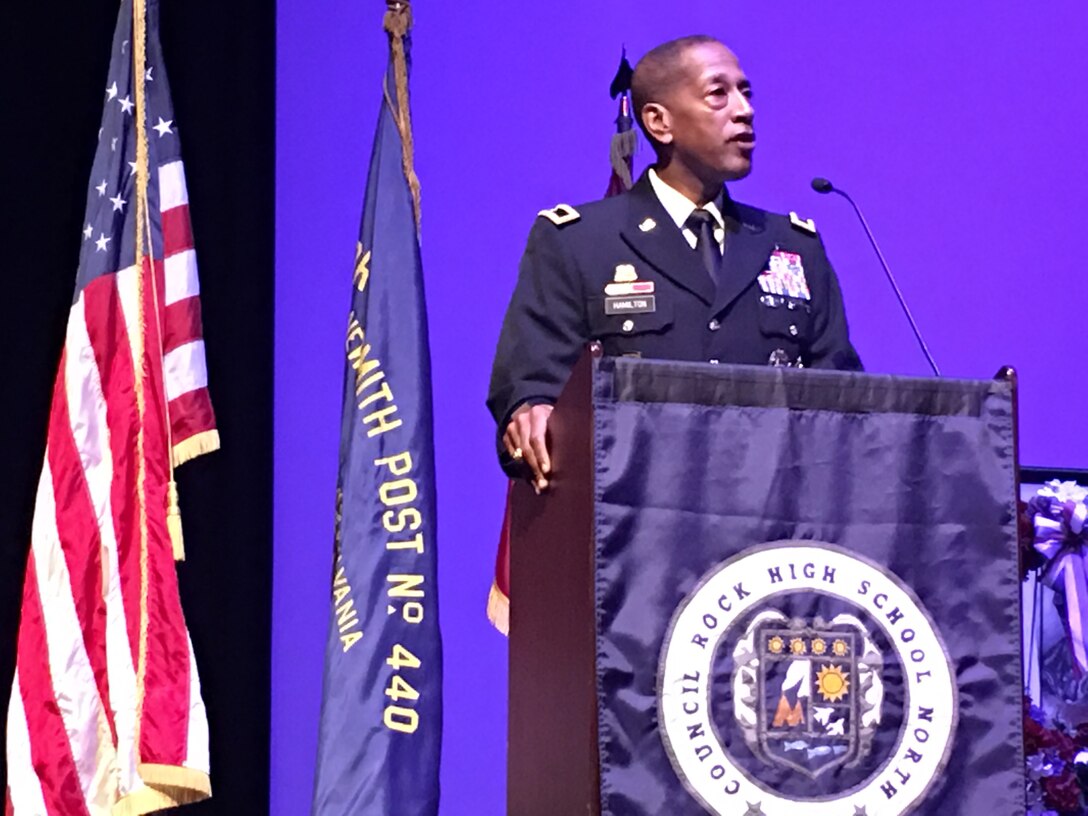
(105, 713)
(381, 714)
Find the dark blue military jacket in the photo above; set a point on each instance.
(562, 299)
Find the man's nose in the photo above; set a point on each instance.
(743, 111)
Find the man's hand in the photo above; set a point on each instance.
(525, 440)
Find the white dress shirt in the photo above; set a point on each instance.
(680, 207)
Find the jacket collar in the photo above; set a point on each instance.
(651, 232)
(679, 206)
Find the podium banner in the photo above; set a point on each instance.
(807, 593)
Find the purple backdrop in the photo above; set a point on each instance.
(961, 136)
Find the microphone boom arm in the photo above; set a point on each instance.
(887, 271)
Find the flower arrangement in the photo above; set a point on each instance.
(1055, 538)
(1057, 765)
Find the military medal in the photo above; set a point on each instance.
(633, 288)
(785, 276)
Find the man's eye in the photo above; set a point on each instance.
(717, 91)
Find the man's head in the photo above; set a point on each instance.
(693, 102)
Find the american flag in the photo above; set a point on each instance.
(105, 713)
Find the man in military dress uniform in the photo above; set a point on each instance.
(674, 268)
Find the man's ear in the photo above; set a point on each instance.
(658, 122)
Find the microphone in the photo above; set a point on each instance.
(823, 186)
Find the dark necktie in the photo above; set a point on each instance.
(702, 224)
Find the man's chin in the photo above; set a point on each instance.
(738, 170)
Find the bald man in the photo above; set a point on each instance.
(672, 269)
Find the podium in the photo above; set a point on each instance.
(768, 591)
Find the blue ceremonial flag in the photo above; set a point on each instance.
(381, 714)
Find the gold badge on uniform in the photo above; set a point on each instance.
(626, 285)
(625, 282)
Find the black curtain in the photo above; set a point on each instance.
(221, 62)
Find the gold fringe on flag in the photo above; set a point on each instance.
(498, 609)
(167, 786)
(196, 445)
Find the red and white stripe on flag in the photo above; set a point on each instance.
(106, 715)
(191, 419)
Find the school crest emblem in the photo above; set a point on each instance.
(807, 695)
(801, 679)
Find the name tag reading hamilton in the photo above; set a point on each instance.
(630, 305)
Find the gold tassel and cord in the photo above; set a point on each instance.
(621, 150)
(164, 785)
(183, 451)
(397, 23)
(173, 521)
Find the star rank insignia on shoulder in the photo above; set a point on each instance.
(803, 224)
(561, 214)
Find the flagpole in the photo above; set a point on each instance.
(173, 511)
(397, 24)
(136, 340)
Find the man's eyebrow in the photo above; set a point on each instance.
(724, 79)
